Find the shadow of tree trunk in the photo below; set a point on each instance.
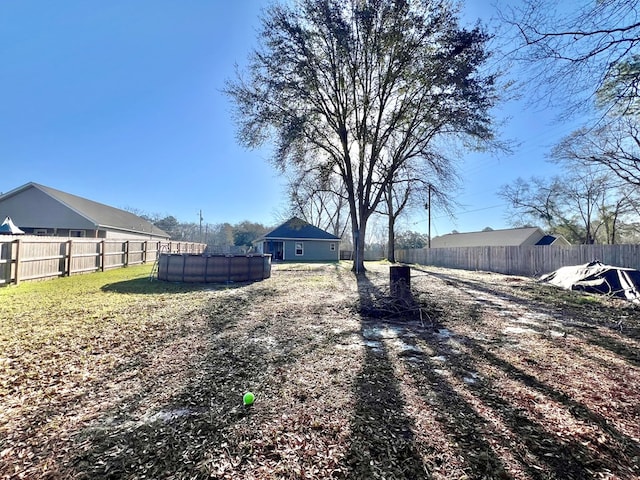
(382, 438)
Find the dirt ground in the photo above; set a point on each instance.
(476, 376)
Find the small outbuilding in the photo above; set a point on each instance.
(299, 241)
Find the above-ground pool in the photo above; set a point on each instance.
(213, 268)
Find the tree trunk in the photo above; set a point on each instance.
(358, 245)
(400, 282)
(391, 247)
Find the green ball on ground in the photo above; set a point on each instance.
(248, 398)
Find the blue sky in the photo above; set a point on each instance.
(121, 102)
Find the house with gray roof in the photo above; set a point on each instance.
(41, 210)
(499, 238)
(299, 241)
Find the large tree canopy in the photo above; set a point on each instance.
(359, 88)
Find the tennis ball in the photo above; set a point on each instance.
(248, 398)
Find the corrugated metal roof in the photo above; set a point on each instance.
(101, 215)
(296, 228)
(492, 238)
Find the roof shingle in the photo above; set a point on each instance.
(298, 229)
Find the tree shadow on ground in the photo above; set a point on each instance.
(538, 451)
(144, 285)
(482, 287)
(608, 455)
(382, 438)
(567, 308)
(202, 430)
(464, 428)
(199, 431)
(608, 342)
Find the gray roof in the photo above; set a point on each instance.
(492, 238)
(297, 229)
(102, 216)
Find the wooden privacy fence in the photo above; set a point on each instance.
(31, 258)
(528, 261)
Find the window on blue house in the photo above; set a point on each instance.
(332, 247)
(299, 248)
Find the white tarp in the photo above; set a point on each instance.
(9, 228)
(596, 277)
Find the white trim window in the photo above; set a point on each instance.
(299, 248)
(332, 247)
(77, 233)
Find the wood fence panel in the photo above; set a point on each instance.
(85, 257)
(7, 259)
(42, 259)
(528, 260)
(30, 258)
(114, 254)
(136, 252)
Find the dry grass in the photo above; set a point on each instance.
(112, 376)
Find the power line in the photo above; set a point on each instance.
(475, 210)
(463, 212)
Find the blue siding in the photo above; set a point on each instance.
(313, 251)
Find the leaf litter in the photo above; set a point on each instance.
(109, 377)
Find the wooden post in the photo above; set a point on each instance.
(17, 263)
(126, 253)
(103, 247)
(69, 246)
(400, 281)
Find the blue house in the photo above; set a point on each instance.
(299, 241)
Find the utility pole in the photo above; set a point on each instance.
(201, 226)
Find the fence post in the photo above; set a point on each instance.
(144, 251)
(17, 264)
(103, 247)
(69, 246)
(126, 253)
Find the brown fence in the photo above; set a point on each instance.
(31, 258)
(214, 268)
(529, 261)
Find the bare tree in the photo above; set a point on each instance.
(614, 145)
(581, 194)
(585, 205)
(619, 216)
(531, 202)
(321, 202)
(577, 53)
(359, 88)
(409, 188)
